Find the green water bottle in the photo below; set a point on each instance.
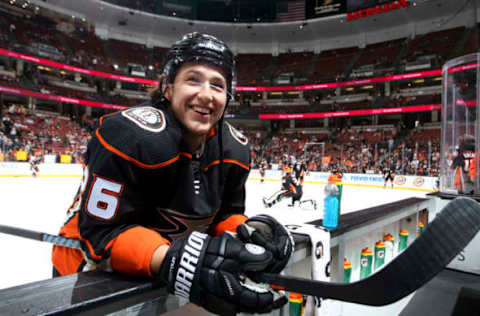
(389, 241)
(366, 262)
(295, 303)
(420, 228)
(380, 248)
(402, 240)
(347, 270)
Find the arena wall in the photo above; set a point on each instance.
(416, 183)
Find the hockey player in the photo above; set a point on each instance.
(463, 164)
(164, 183)
(299, 170)
(34, 162)
(296, 190)
(261, 169)
(388, 175)
(290, 188)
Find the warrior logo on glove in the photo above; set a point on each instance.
(209, 271)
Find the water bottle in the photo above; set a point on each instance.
(330, 207)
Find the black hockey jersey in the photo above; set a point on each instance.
(388, 173)
(143, 188)
(299, 170)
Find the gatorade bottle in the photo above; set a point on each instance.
(295, 303)
(380, 248)
(420, 228)
(403, 240)
(336, 178)
(330, 207)
(389, 241)
(347, 270)
(366, 262)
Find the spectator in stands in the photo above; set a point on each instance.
(169, 160)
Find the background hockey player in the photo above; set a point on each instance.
(462, 164)
(296, 190)
(388, 175)
(290, 189)
(164, 183)
(299, 170)
(261, 169)
(34, 162)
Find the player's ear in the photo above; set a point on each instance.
(168, 92)
(166, 89)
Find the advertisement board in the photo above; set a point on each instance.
(321, 8)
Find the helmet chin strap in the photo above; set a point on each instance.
(220, 142)
(220, 145)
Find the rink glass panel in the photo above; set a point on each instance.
(460, 95)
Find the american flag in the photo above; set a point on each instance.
(291, 11)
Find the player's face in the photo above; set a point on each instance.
(198, 97)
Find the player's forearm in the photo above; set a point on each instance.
(157, 259)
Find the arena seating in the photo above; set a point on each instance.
(81, 47)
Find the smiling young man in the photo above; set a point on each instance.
(163, 184)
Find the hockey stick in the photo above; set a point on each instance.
(53, 239)
(451, 230)
(444, 238)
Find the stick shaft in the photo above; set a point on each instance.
(40, 236)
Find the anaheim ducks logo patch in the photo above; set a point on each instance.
(175, 224)
(146, 117)
(237, 135)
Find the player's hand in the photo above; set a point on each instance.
(267, 232)
(209, 272)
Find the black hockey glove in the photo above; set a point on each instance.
(267, 232)
(208, 271)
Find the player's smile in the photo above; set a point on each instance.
(202, 111)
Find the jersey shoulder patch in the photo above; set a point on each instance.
(146, 117)
(237, 135)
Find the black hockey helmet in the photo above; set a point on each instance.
(196, 47)
(467, 143)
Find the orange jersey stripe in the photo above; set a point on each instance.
(135, 161)
(216, 162)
